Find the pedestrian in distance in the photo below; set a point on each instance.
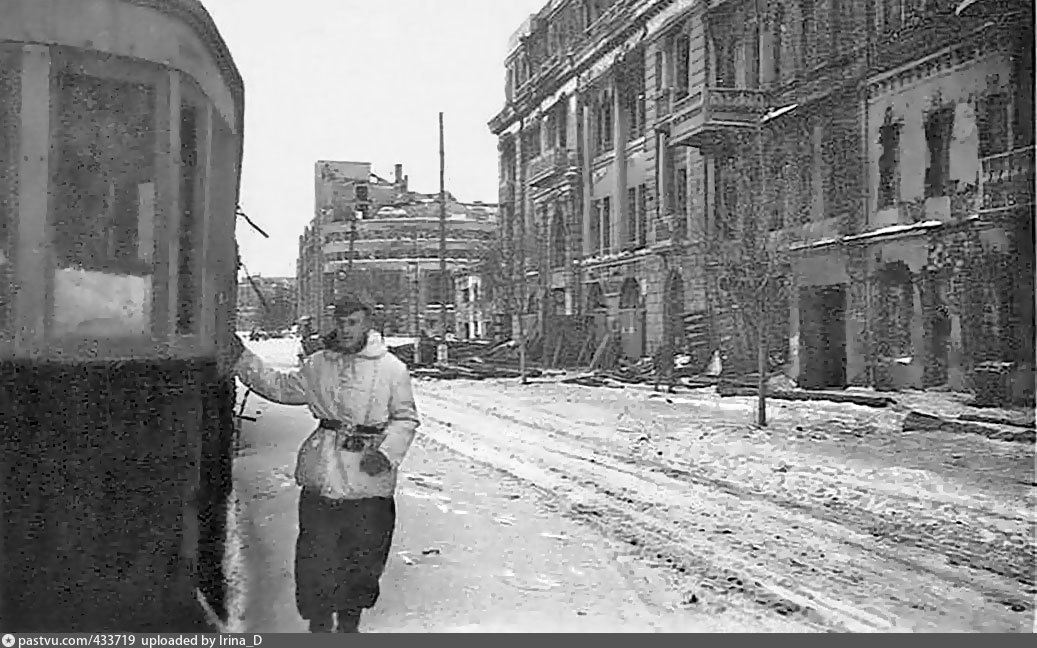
(347, 468)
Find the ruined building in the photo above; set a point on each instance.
(881, 151)
(395, 252)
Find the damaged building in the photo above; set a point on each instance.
(393, 259)
(882, 149)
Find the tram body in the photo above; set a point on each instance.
(120, 154)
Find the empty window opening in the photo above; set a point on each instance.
(938, 142)
(889, 162)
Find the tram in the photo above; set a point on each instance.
(120, 157)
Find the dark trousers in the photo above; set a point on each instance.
(341, 552)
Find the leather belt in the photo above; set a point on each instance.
(354, 441)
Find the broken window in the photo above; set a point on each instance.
(562, 123)
(780, 30)
(726, 208)
(889, 162)
(993, 125)
(682, 56)
(938, 128)
(10, 121)
(603, 122)
(632, 215)
(103, 204)
(642, 215)
(558, 240)
(659, 63)
(779, 195)
(680, 188)
(892, 14)
(633, 85)
(725, 44)
(595, 228)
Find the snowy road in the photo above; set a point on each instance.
(831, 519)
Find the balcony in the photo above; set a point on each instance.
(708, 114)
(548, 165)
(1007, 180)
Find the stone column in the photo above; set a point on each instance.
(620, 130)
(588, 180)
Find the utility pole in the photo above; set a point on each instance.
(443, 285)
(520, 159)
(766, 270)
(416, 285)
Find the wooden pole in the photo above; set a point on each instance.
(443, 284)
(522, 254)
(766, 266)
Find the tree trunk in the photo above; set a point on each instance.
(761, 365)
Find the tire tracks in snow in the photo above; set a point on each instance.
(1003, 554)
(731, 563)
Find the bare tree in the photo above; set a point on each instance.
(750, 255)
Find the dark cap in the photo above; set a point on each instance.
(346, 306)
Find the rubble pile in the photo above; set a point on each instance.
(466, 360)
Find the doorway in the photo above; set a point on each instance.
(631, 320)
(822, 337)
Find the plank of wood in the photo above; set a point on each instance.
(600, 352)
(982, 418)
(584, 349)
(857, 399)
(922, 422)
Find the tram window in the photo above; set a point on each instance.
(9, 141)
(191, 206)
(103, 167)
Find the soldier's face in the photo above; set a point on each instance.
(352, 330)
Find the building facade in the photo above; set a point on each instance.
(884, 148)
(390, 253)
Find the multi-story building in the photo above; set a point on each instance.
(389, 255)
(588, 216)
(474, 303)
(885, 146)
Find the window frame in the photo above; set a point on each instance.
(71, 61)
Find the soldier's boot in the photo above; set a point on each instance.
(348, 621)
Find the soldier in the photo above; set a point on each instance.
(362, 396)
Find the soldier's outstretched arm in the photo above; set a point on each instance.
(284, 386)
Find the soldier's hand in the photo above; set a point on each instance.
(374, 463)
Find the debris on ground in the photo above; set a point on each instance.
(921, 422)
(726, 389)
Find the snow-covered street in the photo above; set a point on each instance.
(550, 506)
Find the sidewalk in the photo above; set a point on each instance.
(472, 553)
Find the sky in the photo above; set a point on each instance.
(362, 81)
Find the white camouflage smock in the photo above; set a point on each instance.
(371, 387)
